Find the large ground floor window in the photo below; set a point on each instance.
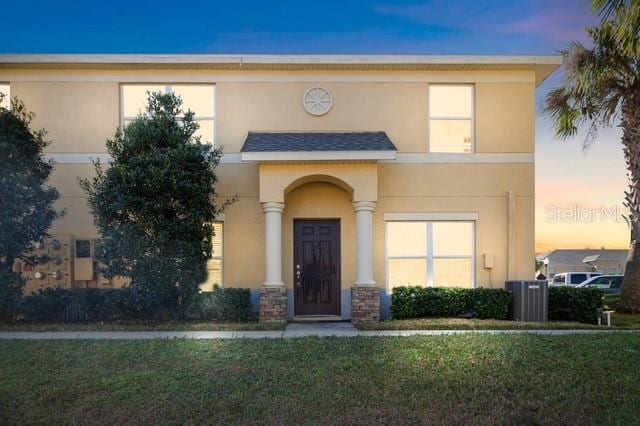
(430, 253)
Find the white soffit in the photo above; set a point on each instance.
(542, 65)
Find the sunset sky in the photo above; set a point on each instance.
(568, 177)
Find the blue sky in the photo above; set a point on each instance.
(325, 26)
(566, 174)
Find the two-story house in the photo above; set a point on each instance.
(354, 174)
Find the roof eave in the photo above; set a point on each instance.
(542, 65)
(259, 156)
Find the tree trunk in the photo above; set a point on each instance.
(630, 124)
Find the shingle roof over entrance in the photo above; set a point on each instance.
(317, 141)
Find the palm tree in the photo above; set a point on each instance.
(601, 88)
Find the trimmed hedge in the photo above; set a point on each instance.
(575, 304)
(223, 304)
(418, 302)
(73, 305)
(96, 305)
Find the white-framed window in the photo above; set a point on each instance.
(215, 264)
(5, 89)
(430, 253)
(451, 113)
(199, 98)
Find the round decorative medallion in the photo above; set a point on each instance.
(317, 101)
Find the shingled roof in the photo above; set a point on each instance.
(317, 142)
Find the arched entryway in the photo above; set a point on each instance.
(333, 204)
(319, 248)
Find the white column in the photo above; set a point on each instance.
(364, 245)
(273, 243)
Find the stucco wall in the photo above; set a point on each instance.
(80, 110)
(505, 117)
(78, 116)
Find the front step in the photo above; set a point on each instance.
(317, 318)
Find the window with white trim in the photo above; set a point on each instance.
(215, 264)
(430, 254)
(451, 113)
(5, 89)
(199, 98)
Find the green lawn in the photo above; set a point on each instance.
(479, 379)
(619, 321)
(143, 326)
(474, 324)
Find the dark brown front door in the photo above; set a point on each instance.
(316, 267)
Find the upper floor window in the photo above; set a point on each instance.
(451, 118)
(6, 91)
(199, 98)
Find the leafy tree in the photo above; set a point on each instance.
(602, 87)
(154, 206)
(26, 203)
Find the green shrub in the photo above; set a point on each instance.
(45, 305)
(95, 305)
(64, 305)
(418, 302)
(223, 304)
(491, 303)
(575, 304)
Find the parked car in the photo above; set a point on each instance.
(572, 278)
(610, 284)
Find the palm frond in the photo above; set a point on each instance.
(605, 8)
(597, 80)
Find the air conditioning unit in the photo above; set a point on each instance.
(530, 300)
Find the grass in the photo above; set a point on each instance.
(480, 379)
(619, 321)
(475, 324)
(143, 326)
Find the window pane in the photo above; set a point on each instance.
(452, 273)
(214, 268)
(450, 101)
(450, 136)
(197, 98)
(217, 245)
(578, 278)
(452, 238)
(403, 272)
(407, 239)
(206, 131)
(135, 97)
(6, 91)
(83, 249)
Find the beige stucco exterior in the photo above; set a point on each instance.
(80, 108)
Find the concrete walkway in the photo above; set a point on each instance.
(293, 330)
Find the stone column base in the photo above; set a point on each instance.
(273, 304)
(365, 305)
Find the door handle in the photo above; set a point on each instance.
(298, 275)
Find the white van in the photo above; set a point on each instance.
(571, 278)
